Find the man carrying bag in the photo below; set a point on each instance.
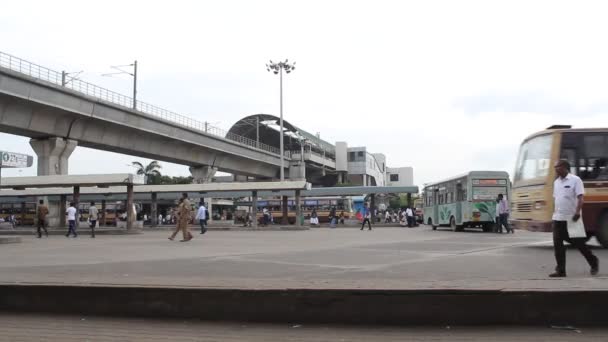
(568, 192)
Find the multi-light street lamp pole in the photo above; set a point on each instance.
(277, 68)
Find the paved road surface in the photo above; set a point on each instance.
(392, 258)
(29, 327)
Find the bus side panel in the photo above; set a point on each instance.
(596, 204)
(467, 212)
(446, 211)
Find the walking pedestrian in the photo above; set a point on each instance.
(568, 194)
(71, 216)
(265, 216)
(332, 218)
(314, 219)
(201, 216)
(503, 214)
(183, 216)
(341, 217)
(93, 215)
(248, 220)
(367, 216)
(43, 210)
(409, 216)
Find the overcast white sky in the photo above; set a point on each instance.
(443, 86)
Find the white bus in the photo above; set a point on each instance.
(465, 201)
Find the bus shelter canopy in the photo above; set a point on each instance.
(246, 188)
(56, 181)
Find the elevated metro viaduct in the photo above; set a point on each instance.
(59, 115)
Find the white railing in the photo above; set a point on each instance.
(59, 78)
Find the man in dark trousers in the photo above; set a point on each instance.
(93, 214)
(43, 210)
(568, 192)
(367, 217)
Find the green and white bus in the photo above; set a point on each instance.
(465, 201)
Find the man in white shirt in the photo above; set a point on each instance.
(409, 214)
(201, 216)
(71, 216)
(503, 214)
(93, 213)
(568, 192)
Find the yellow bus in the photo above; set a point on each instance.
(532, 198)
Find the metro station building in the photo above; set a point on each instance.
(324, 163)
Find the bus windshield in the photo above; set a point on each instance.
(534, 158)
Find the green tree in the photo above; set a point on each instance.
(150, 172)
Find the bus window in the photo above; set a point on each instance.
(534, 158)
(587, 153)
(460, 193)
(593, 157)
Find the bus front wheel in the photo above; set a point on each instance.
(602, 232)
(454, 226)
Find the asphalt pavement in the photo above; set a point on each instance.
(323, 258)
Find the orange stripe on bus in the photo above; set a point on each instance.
(596, 198)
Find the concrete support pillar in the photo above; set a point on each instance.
(103, 213)
(62, 209)
(297, 170)
(154, 210)
(53, 154)
(285, 209)
(202, 174)
(130, 213)
(210, 209)
(298, 209)
(254, 209)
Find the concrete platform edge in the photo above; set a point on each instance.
(341, 306)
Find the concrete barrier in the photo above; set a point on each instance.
(394, 307)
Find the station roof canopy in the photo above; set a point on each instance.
(359, 190)
(43, 189)
(266, 127)
(102, 180)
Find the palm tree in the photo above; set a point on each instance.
(149, 171)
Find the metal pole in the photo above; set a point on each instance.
(135, 85)
(257, 132)
(63, 73)
(254, 209)
(298, 209)
(103, 213)
(281, 120)
(62, 200)
(129, 209)
(76, 200)
(22, 219)
(154, 210)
